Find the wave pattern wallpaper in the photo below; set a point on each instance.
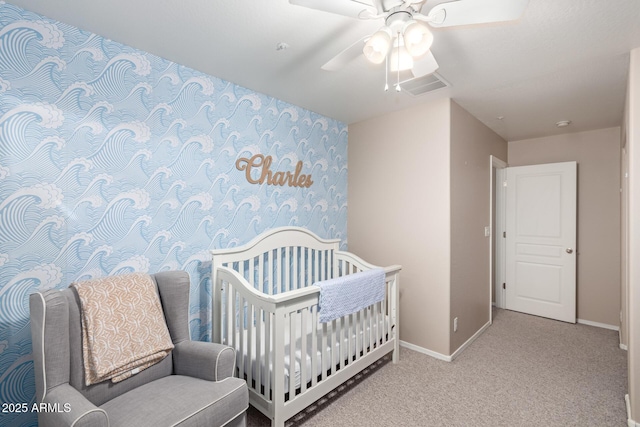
(113, 160)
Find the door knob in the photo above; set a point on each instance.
(569, 250)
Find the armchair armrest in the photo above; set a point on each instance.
(205, 360)
(65, 406)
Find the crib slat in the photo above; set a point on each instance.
(241, 338)
(380, 323)
(231, 331)
(324, 363)
(303, 349)
(344, 353)
(296, 267)
(314, 345)
(260, 285)
(267, 355)
(250, 329)
(259, 354)
(224, 326)
(370, 316)
(341, 337)
(287, 268)
(233, 308)
(355, 336)
(327, 266)
(316, 274)
(387, 311)
(351, 337)
(376, 323)
(359, 335)
(366, 331)
(251, 277)
(332, 367)
(277, 271)
(381, 331)
(309, 268)
(277, 376)
(292, 355)
(270, 279)
(363, 332)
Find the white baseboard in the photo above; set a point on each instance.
(599, 325)
(469, 341)
(441, 356)
(622, 346)
(630, 422)
(426, 351)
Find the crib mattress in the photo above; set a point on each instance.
(250, 363)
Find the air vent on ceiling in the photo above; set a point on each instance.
(421, 85)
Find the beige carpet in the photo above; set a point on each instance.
(523, 371)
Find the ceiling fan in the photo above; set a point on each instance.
(404, 41)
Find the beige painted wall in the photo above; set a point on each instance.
(598, 156)
(633, 145)
(399, 212)
(472, 144)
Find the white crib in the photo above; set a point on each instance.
(265, 305)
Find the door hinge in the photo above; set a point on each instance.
(504, 183)
(504, 234)
(504, 286)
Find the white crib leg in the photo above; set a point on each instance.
(277, 421)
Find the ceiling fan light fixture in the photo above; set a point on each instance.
(376, 48)
(417, 38)
(400, 59)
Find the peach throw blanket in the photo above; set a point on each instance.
(123, 326)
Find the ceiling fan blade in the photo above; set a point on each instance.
(379, 5)
(387, 5)
(339, 7)
(425, 65)
(343, 58)
(469, 12)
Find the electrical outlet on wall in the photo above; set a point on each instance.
(455, 324)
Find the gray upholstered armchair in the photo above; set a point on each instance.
(193, 386)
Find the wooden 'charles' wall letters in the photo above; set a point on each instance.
(263, 163)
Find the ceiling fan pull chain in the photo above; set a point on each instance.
(386, 73)
(398, 88)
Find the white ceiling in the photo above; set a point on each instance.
(563, 60)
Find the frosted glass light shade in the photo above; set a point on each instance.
(404, 63)
(376, 48)
(417, 38)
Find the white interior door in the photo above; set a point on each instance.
(541, 240)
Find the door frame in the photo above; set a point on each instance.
(497, 215)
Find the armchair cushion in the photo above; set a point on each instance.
(179, 400)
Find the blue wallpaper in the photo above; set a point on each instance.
(114, 160)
